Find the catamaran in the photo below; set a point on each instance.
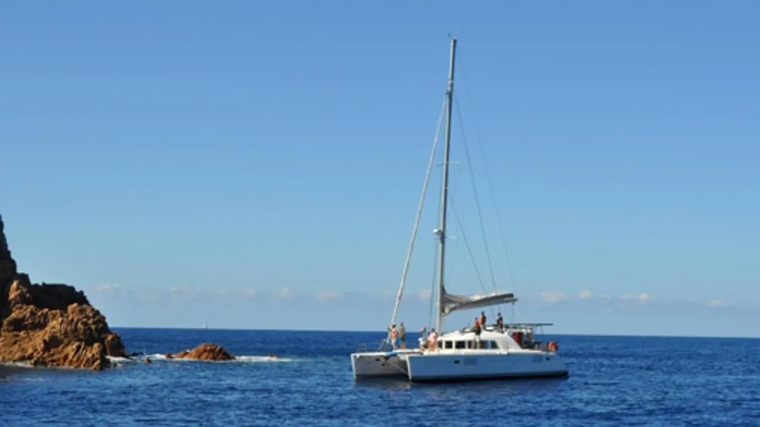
(497, 352)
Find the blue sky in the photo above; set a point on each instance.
(240, 162)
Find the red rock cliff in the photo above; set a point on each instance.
(50, 325)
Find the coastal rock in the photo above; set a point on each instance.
(50, 325)
(205, 351)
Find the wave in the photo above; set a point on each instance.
(119, 361)
(238, 359)
(259, 359)
(17, 364)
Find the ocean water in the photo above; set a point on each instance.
(615, 381)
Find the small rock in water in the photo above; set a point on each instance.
(206, 351)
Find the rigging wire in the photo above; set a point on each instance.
(467, 245)
(490, 185)
(477, 200)
(417, 218)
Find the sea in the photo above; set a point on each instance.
(614, 381)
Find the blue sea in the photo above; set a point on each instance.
(614, 381)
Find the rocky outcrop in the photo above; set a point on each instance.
(50, 325)
(205, 351)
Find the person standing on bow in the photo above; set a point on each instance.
(476, 327)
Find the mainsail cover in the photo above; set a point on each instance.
(453, 303)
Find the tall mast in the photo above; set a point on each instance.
(445, 186)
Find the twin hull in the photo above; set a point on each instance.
(422, 367)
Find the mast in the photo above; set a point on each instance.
(445, 186)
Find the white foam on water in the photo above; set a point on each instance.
(17, 364)
(157, 356)
(238, 359)
(259, 359)
(119, 361)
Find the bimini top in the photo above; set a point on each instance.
(453, 303)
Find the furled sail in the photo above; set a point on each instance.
(453, 303)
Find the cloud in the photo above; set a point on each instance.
(187, 293)
(642, 297)
(251, 307)
(585, 298)
(553, 296)
(588, 300)
(285, 293)
(330, 295)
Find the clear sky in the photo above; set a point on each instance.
(258, 164)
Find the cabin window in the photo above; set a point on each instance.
(492, 345)
(448, 345)
(459, 345)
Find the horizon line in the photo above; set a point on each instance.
(381, 332)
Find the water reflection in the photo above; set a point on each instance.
(509, 387)
(397, 383)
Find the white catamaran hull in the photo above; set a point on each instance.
(462, 367)
(477, 353)
(378, 364)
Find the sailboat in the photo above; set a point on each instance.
(497, 352)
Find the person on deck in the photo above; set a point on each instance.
(476, 327)
(500, 323)
(432, 340)
(423, 338)
(402, 335)
(482, 319)
(394, 336)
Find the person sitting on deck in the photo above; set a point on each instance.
(432, 340)
(500, 323)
